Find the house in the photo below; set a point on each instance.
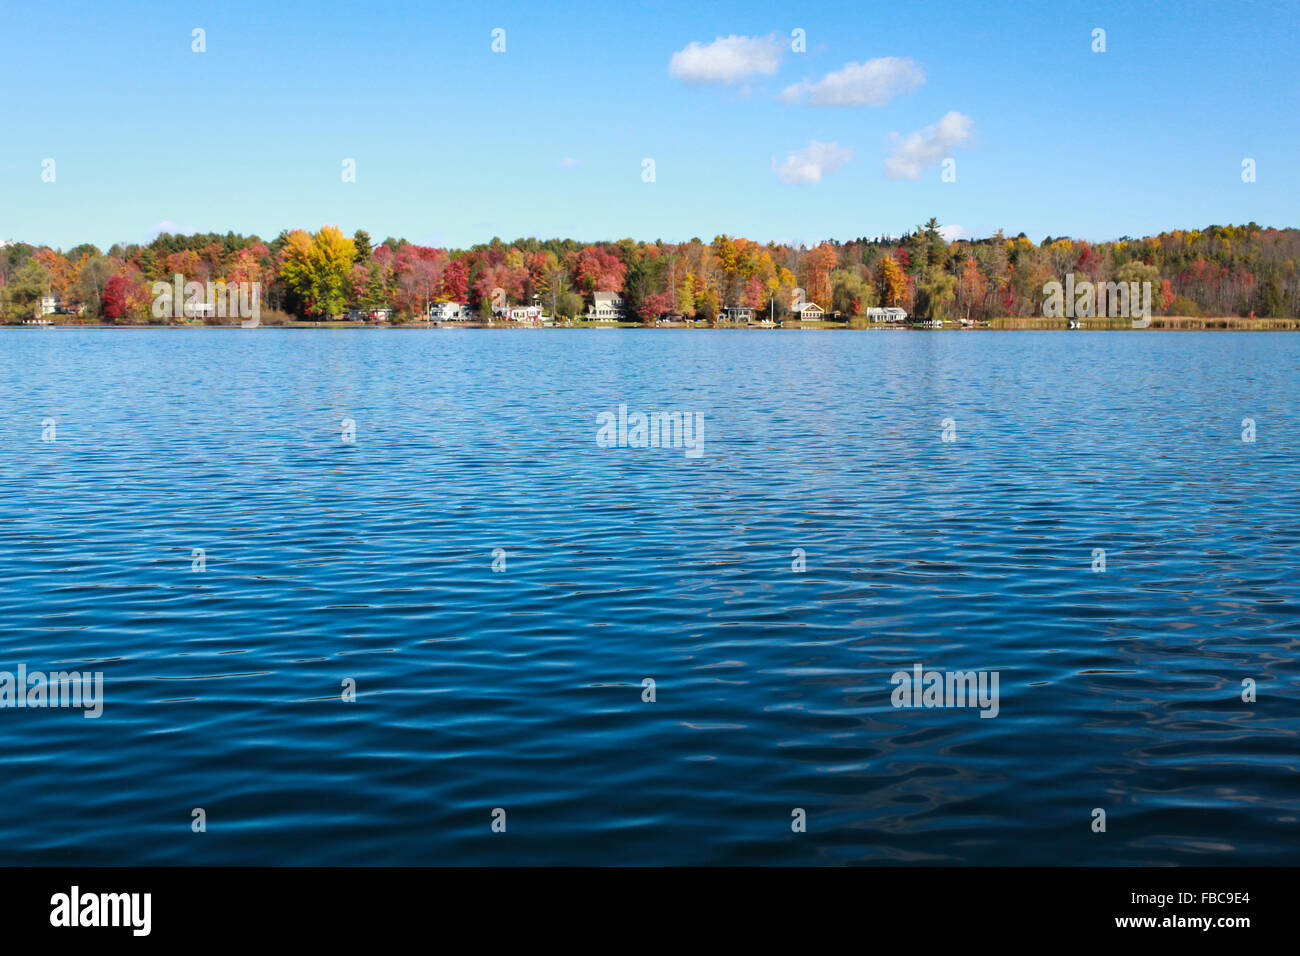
(49, 305)
(529, 314)
(449, 312)
(605, 306)
(670, 317)
(887, 315)
(379, 313)
(735, 314)
(809, 312)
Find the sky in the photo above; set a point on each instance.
(791, 122)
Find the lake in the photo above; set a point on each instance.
(357, 596)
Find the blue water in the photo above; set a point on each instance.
(521, 689)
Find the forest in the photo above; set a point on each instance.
(1246, 270)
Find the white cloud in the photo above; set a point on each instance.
(727, 59)
(810, 164)
(928, 146)
(873, 83)
(568, 162)
(950, 233)
(167, 225)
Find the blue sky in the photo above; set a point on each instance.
(454, 143)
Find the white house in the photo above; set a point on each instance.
(809, 311)
(449, 312)
(605, 306)
(733, 313)
(531, 314)
(49, 305)
(887, 315)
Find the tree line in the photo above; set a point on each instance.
(1219, 271)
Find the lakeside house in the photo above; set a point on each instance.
(809, 312)
(528, 314)
(380, 313)
(605, 307)
(449, 312)
(733, 313)
(890, 314)
(49, 305)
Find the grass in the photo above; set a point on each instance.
(1160, 322)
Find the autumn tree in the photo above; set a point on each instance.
(971, 287)
(817, 266)
(125, 295)
(596, 269)
(315, 270)
(890, 281)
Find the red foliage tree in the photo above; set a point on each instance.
(599, 270)
(119, 292)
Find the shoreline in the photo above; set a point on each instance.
(1004, 324)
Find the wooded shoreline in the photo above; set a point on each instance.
(1164, 323)
(1217, 277)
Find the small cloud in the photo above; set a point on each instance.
(167, 225)
(950, 233)
(810, 164)
(727, 59)
(568, 162)
(928, 146)
(873, 83)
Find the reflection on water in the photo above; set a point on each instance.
(522, 688)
